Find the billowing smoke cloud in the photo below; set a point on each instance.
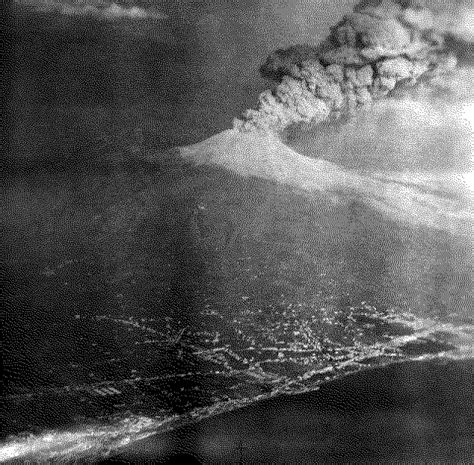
(95, 8)
(380, 46)
(455, 17)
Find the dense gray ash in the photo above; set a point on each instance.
(381, 45)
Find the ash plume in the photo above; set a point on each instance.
(381, 45)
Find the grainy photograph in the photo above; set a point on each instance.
(238, 232)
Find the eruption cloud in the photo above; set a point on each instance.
(381, 45)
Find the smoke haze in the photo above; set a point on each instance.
(92, 8)
(366, 56)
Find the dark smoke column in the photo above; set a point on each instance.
(379, 46)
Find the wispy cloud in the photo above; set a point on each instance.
(95, 8)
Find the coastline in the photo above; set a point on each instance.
(417, 410)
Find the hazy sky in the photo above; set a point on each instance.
(230, 34)
(240, 38)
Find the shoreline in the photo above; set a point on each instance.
(147, 434)
(412, 405)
